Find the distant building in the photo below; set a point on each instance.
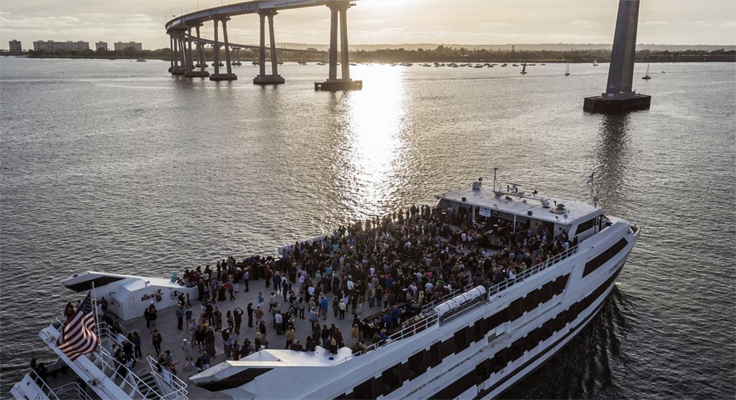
(52, 46)
(101, 45)
(122, 46)
(15, 46)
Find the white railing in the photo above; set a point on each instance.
(129, 379)
(428, 310)
(533, 270)
(72, 391)
(170, 384)
(35, 377)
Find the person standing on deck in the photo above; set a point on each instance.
(250, 315)
(186, 347)
(179, 317)
(137, 342)
(188, 315)
(246, 277)
(157, 339)
(238, 317)
(323, 304)
(152, 316)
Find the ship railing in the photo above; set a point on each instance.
(45, 388)
(429, 317)
(172, 385)
(71, 391)
(495, 289)
(130, 382)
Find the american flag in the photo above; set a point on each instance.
(78, 333)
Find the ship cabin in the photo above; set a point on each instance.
(489, 208)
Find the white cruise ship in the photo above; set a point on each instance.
(474, 343)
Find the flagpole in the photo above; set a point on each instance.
(97, 326)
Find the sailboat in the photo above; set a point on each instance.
(523, 70)
(646, 76)
(567, 71)
(595, 62)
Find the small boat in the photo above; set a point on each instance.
(523, 70)
(140, 60)
(646, 76)
(504, 64)
(595, 62)
(514, 65)
(567, 71)
(321, 63)
(302, 63)
(353, 64)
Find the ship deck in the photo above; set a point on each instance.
(167, 326)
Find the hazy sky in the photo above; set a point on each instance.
(381, 21)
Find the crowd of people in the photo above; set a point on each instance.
(394, 264)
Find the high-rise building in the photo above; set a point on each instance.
(101, 45)
(51, 46)
(15, 46)
(122, 46)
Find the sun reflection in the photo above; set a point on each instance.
(375, 119)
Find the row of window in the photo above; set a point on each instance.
(517, 349)
(394, 377)
(602, 258)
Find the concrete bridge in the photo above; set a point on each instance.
(183, 40)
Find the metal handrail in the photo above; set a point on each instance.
(72, 388)
(46, 389)
(133, 380)
(180, 388)
(432, 318)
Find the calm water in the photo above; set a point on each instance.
(119, 167)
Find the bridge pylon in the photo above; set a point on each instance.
(201, 63)
(228, 75)
(332, 84)
(274, 78)
(619, 95)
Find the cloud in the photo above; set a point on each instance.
(83, 26)
(651, 23)
(703, 23)
(584, 22)
(729, 24)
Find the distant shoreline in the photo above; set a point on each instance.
(439, 54)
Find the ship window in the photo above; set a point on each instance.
(560, 284)
(589, 224)
(461, 340)
(448, 348)
(478, 330)
(501, 359)
(514, 310)
(416, 365)
(364, 390)
(516, 350)
(435, 356)
(546, 292)
(602, 258)
(482, 371)
(496, 320)
(391, 379)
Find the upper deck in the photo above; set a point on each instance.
(516, 202)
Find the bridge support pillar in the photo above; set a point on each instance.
(332, 84)
(619, 96)
(262, 78)
(178, 67)
(217, 76)
(171, 56)
(201, 64)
